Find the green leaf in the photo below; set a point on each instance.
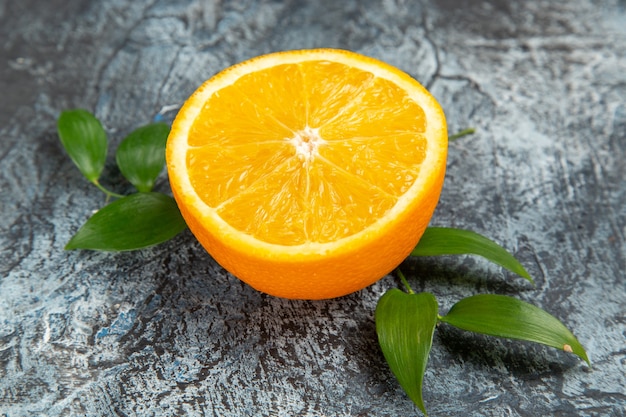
(84, 140)
(449, 241)
(133, 222)
(141, 155)
(502, 316)
(405, 324)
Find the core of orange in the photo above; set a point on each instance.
(308, 174)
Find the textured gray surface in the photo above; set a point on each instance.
(165, 331)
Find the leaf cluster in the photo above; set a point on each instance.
(133, 221)
(406, 321)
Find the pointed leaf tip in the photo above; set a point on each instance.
(84, 140)
(133, 222)
(141, 155)
(438, 241)
(405, 324)
(503, 316)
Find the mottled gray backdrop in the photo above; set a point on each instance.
(165, 331)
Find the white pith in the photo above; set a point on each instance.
(306, 142)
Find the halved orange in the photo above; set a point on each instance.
(308, 174)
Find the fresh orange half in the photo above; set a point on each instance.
(308, 174)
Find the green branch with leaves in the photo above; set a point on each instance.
(134, 221)
(406, 321)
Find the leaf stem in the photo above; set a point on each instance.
(405, 282)
(464, 132)
(107, 192)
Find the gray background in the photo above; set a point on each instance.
(165, 331)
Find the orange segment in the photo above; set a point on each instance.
(380, 160)
(384, 109)
(295, 206)
(219, 172)
(230, 118)
(308, 174)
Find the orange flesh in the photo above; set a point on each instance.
(320, 152)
